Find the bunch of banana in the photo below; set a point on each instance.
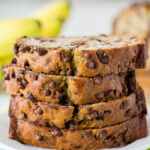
(45, 22)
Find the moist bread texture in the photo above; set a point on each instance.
(81, 56)
(61, 89)
(113, 136)
(96, 115)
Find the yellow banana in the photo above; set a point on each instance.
(52, 17)
(59, 9)
(12, 29)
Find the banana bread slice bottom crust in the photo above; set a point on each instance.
(114, 136)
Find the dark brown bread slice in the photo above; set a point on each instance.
(96, 115)
(78, 90)
(114, 136)
(81, 56)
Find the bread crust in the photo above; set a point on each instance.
(113, 136)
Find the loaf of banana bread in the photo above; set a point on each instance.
(81, 56)
(78, 90)
(113, 136)
(96, 115)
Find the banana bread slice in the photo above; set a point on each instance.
(113, 136)
(96, 115)
(134, 20)
(81, 56)
(78, 90)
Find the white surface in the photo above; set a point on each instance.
(8, 144)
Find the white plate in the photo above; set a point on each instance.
(7, 144)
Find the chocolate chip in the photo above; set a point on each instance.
(26, 64)
(52, 85)
(47, 92)
(71, 126)
(65, 57)
(42, 51)
(58, 94)
(103, 134)
(100, 96)
(87, 135)
(91, 65)
(57, 132)
(38, 136)
(27, 48)
(7, 77)
(53, 106)
(106, 113)
(38, 111)
(111, 93)
(31, 97)
(12, 74)
(14, 61)
(127, 113)
(78, 43)
(97, 80)
(87, 55)
(94, 115)
(47, 125)
(69, 72)
(21, 86)
(124, 104)
(34, 76)
(103, 59)
(19, 79)
(20, 94)
(99, 40)
(15, 49)
(21, 48)
(22, 116)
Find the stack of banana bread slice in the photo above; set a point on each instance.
(76, 92)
